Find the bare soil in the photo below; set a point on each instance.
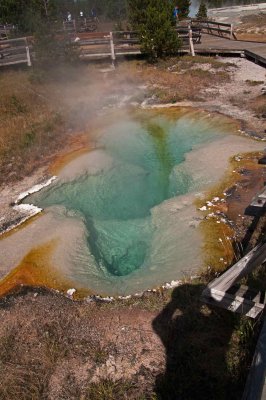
(162, 346)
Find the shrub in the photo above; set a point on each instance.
(202, 12)
(156, 27)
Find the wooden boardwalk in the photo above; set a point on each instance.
(92, 47)
(217, 45)
(225, 291)
(113, 45)
(255, 388)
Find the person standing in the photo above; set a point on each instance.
(175, 13)
(93, 13)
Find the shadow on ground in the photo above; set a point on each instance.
(202, 362)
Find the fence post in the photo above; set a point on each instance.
(28, 56)
(112, 48)
(191, 45)
(28, 53)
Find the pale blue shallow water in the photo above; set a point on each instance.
(120, 202)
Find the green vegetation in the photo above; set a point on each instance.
(202, 12)
(26, 15)
(153, 19)
(183, 6)
(155, 24)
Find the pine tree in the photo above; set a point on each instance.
(154, 21)
(25, 14)
(202, 13)
(137, 12)
(183, 7)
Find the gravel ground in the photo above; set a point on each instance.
(234, 14)
(232, 98)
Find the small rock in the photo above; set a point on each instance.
(203, 208)
(70, 292)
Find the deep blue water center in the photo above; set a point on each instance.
(140, 155)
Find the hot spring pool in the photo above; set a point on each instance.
(123, 214)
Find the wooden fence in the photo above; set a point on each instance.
(5, 31)
(122, 43)
(183, 33)
(108, 44)
(220, 29)
(81, 25)
(15, 51)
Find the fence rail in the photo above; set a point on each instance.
(15, 51)
(215, 28)
(110, 44)
(119, 43)
(6, 30)
(184, 34)
(81, 25)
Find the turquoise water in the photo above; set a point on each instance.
(119, 197)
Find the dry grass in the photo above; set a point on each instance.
(110, 390)
(41, 112)
(252, 28)
(168, 86)
(258, 105)
(49, 349)
(39, 109)
(30, 126)
(187, 62)
(39, 346)
(257, 20)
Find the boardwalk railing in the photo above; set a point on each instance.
(5, 31)
(69, 26)
(225, 292)
(119, 43)
(14, 51)
(183, 33)
(107, 44)
(81, 25)
(220, 29)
